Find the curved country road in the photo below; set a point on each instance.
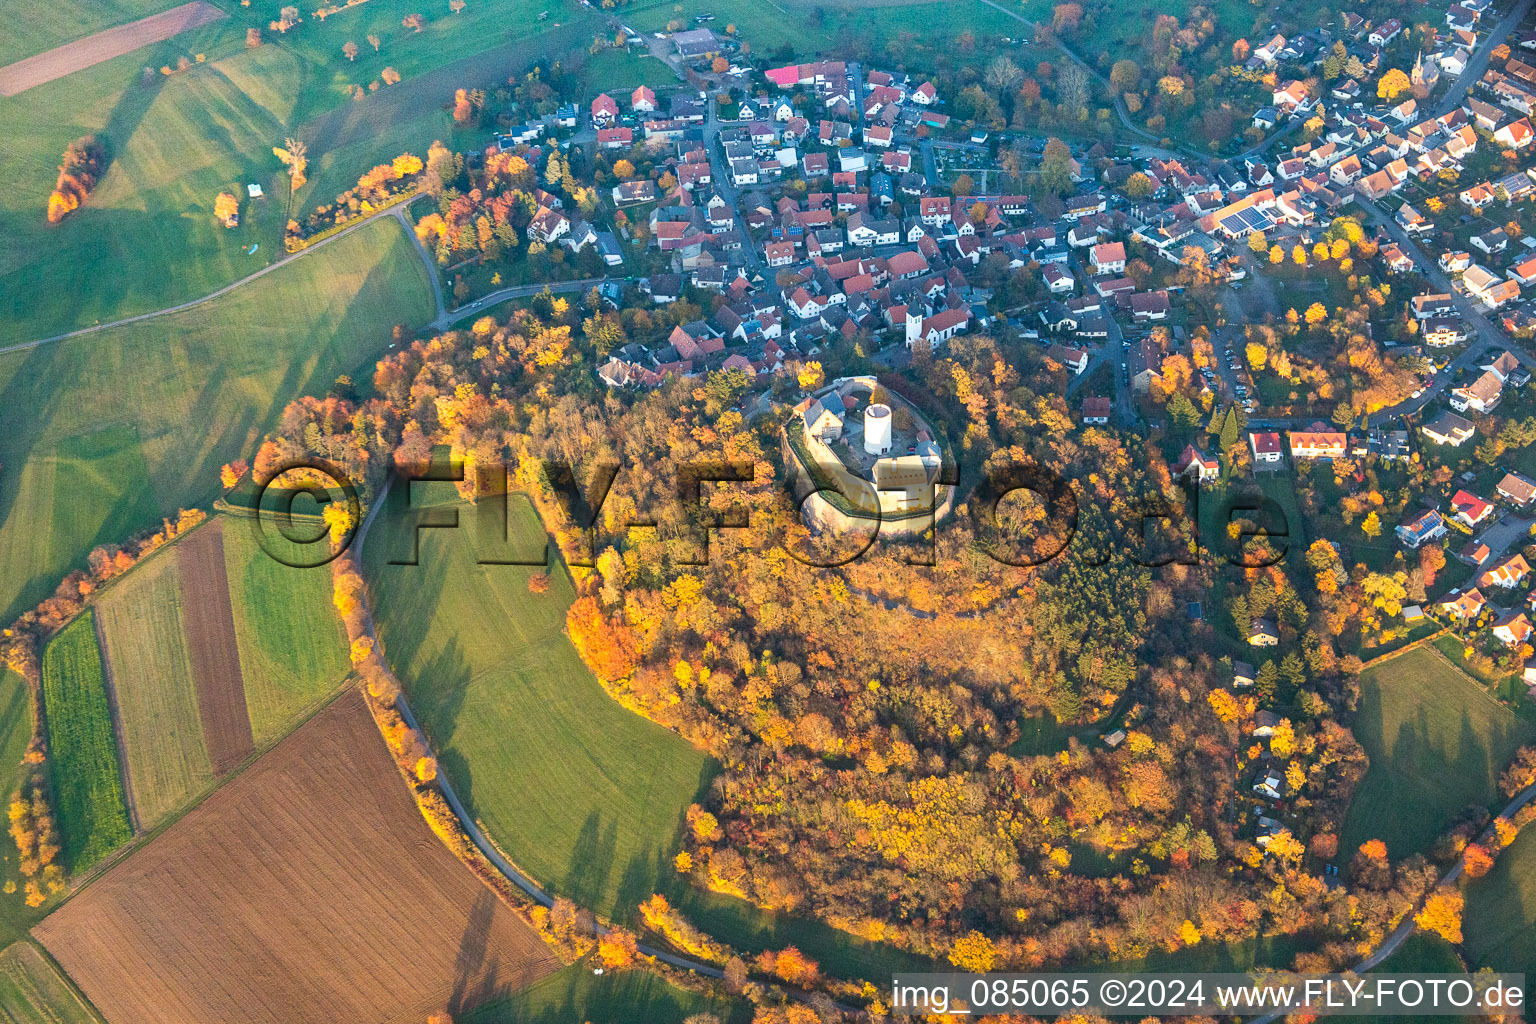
(1406, 927)
(471, 828)
(443, 317)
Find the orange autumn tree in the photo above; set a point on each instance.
(79, 171)
(1478, 860)
(607, 647)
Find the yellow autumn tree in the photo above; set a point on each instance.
(974, 952)
(1442, 914)
(1391, 84)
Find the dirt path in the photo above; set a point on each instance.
(104, 45)
(213, 651)
(117, 723)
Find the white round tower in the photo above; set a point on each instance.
(877, 429)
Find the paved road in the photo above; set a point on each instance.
(725, 185)
(433, 276)
(1479, 61)
(478, 307)
(1125, 116)
(1407, 926)
(1490, 335)
(466, 820)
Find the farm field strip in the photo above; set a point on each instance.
(33, 992)
(293, 651)
(83, 757)
(210, 630)
(306, 890)
(104, 45)
(141, 618)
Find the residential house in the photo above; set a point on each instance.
(1463, 605)
(1196, 466)
(1318, 443)
(1508, 574)
(1449, 429)
(1421, 529)
(1482, 395)
(1263, 633)
(1108, 258)
(1517, 489)
(1265, 445)
(1468, 509)
(1512, 628)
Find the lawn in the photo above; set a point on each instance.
(1437, 744)
(293, 652)
(808, 27)
(1499, 921)
(141, 620)
(94, 435)
(32, 991)
(445, 40)
(146, 238)
(576, 994)
(584, 795)
(620, 70)
(15, 733)
(86, 779)
(32, 26)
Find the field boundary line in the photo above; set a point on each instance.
(142, 839)
(69, 982)
(1469, 677)
(109, 682)
(1420, 642)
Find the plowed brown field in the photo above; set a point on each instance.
(211, 645)
(104, 45)
(307, 891)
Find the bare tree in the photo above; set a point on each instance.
(373, 41)
(349, 48)
(1003, 75)
(455, 5)
(1072, 88)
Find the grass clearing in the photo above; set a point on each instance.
(141, 618)
(32, 991)
(293, 652)
(15, 733)
(584, 795)
(1437, 744)
(1499, 921)
(807, 27)
(93, 433)
(86, 778)
(32, 26)
(574, 993)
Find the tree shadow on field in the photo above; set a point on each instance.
(24, 410)
(592, 860)
(639, 880)
(475, 977)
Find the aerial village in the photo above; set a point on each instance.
(810, 205)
